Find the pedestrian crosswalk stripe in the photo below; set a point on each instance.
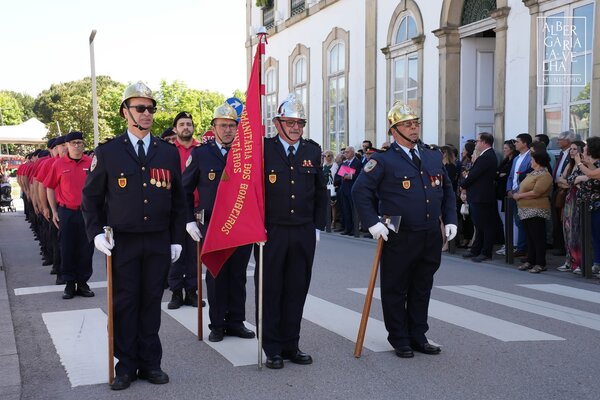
(567, 291)
(546, 309)
(93, 285)
(345, 323)
(477, 322)
(81, 342)
(236, 350)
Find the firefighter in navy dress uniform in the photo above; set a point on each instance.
(134, 186)
(227, 292)
(409, 180)
(295, 204)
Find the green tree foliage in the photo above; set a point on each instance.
(176, 97)
(12, 110)
(70, 104)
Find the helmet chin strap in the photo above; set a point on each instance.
(404, 137)
(141, 128)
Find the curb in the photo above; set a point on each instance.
(10, 372)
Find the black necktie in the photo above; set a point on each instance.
(415, 158)
(141, 152)
(291, 150)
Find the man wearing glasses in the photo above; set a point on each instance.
(227, 292)
(408, 180)
(64, 183)
(295, 204)
(134, 187)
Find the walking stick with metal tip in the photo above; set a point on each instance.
(108, 233)
(371, 288)
(199, 220)
(261, 245)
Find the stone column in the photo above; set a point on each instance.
(500, 15)
(449, 86)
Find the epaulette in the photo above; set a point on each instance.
(105, 141)
(312, 142)
(427, 146)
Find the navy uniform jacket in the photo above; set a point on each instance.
(294, 194)
(118, 192)
(203, 172)
(480, 183)
(405, 191)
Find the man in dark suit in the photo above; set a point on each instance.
(408, 180)
(134, 186)
(295, 204)
(227, 292)
(481, 196)
(564, 141)
(346, 182)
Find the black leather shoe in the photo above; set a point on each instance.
(275, 362)
(53, 271)
(203, 303)
(480, 258)
(176, 300)
(69, 292)
(84, 290)
(404, 352)
(347, 233)
(157, 376)
(241, 332)
(519, 253)
(216, 335)
(425, 348)
(46, 262)
(191, 299)
(469, 255)
(297, 357)
(122, 382)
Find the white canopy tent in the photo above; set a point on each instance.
(31, 131)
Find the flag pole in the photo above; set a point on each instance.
(94, 95)
(262, 34)
(108, 232)
(199, 218)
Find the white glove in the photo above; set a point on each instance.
(378, 230)
(104, 245)
(193, 230)
(175, 252)
(451, 230)
(318, 233)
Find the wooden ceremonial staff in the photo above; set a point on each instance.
(392, 223)
(199, 278)
(108, 233)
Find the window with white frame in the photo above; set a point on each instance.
(300, 82)
(405, 64)
(270, 101)
(337, 135)
(565, 51)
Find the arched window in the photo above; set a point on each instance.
(336, 97)
(404, 55)
(270, 100)
(300, 82)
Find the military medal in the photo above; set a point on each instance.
(164, 178)
(169, 179)
(158, 182)
(432, 179)
(152, 178)
(437, 181)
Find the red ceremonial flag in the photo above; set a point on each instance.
(239, 215)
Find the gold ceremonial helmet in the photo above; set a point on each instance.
(138, 89)
(400, 112)
(291, 108)
(226, 111)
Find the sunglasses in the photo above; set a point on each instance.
(291, 123)
(408, 124)
(141, 109)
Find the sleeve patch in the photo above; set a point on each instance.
(370, 166)
(189, 161)
(94, 162)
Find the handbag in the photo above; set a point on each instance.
(561, 196)
(464, 209)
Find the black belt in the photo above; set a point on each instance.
(69, 208)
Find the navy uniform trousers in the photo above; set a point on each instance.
(140, 266)
(75, 249)
(288, 258)
(409, 260)
(227, 292)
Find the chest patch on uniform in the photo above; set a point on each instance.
(122, 182)
(406, 184)
(272, 178)
(94, 162)
(188, 161)
(211, 176)
(369, 166)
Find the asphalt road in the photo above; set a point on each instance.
(500, 340)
